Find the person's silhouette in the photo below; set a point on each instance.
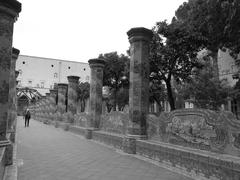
(27, 118)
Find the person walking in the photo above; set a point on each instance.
(27, 117)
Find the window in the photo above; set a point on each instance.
(30, 82)
(52, 65)
(84, 69)
(23, 62)
(69, 67)
(42, 84)
(55, 75)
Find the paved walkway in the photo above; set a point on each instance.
(47, 153)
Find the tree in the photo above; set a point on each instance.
(122, 98)
(207, 91)
(156, 92)
(83, 94)
(115, 74)
(216, 22)
(173, 54)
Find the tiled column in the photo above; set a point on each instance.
(9, 11)
(12, 99)
(16, 75)
(43, 108)
(229, 104)
(12, 91)
(139, 39)
(53, 97)
(72, 93)
(40, 109)
(96, 81)
(62, 93)
(47, 108)
(16, 83)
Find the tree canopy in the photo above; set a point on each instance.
(173, 54)
(115, 73)
(205, 90)
(83, 94)
(217, 22)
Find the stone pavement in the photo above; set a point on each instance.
(47, 153)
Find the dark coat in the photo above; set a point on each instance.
(28, 115)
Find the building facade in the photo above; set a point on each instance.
(42, 73)
(227, 67)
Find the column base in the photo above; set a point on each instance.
(9, 155)
(12, 133)
(129, 143)
(10, 130)
(13, 137)
(4, 143)
(9, 150)
(89, 132)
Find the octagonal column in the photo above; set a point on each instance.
(139, 39)
(47, 111)
(12, 91)
(9, 11)
(53, 97)
(43, 108)
(72, 93)
(96, 82)
(16, 83)
(12, 99)
(62, 93)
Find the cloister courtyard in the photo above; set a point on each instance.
(166, 110)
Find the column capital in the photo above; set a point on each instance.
(10, 7)
(53, 91)
(96, 63)
(139, 34)
(55, 86)
(15, 53)
(73, 79)
(62, 85)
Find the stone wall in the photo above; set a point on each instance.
(191, 161)
(114, 122)
(81, 119)
(200, 143)
(197, 164)
(199, 129)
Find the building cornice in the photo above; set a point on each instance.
(37, 57)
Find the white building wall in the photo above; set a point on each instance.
(41, 73)
(226, 67)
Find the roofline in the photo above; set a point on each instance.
(52, 59)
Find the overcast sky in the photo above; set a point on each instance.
(79, 30)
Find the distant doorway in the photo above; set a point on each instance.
(25, 97)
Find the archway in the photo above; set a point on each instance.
(25, 97)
